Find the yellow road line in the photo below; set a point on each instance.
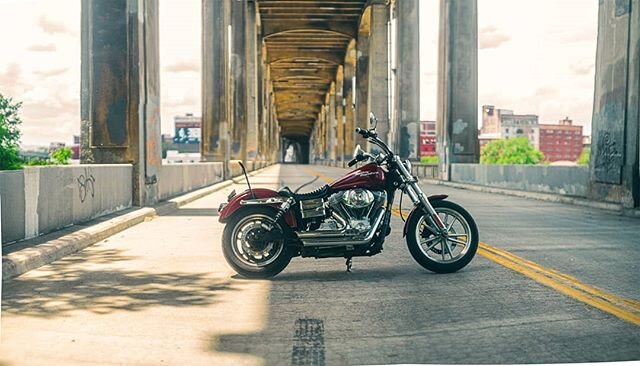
(609, 303)
(325, 178)
(623, 308)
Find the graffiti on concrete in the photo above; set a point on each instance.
(86, 184)
(608, 159)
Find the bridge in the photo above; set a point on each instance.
(556, 275)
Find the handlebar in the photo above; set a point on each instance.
(372, 135)
(366, 133)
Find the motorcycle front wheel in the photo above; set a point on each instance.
(443, 252)
(244, 250)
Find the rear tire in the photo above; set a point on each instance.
(431, 252)
(247, 260)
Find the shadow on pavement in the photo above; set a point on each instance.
(73, 284)
(211, 212)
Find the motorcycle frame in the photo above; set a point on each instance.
(397, 177)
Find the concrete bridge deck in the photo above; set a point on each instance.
(161, 293)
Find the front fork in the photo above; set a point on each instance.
(417, 196)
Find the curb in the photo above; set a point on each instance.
(48, 248)
(548, 197)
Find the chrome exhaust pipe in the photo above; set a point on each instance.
(328, 234)
(324, 240)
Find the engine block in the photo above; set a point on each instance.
(357, 207)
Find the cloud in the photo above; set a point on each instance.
(545, 92)
(491, 37)
(51, 109)
(52, 27)
(584, 67)
(183, 66)
(51, 72)
(42, 48)
(11, 83)
(581, 35)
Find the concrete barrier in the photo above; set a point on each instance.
(425, 171)
(570, 181)
(175, 179)
(39, 200)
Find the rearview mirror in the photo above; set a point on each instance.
(373, 121)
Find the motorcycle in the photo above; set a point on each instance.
(351, 217)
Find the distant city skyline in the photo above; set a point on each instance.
(536, 57)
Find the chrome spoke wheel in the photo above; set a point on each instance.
(448, 246)
(247, 245)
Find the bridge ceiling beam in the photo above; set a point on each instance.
(305, 42)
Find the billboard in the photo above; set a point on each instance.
(427, 138)
(187, 133)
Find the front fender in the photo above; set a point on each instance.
(418, 208)
(234, 205)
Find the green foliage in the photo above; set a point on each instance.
(61, 155)
(36, 162)
(584, 156)
(512, 151)
(429, 160)
(9, 133)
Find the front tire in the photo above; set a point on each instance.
(254, 258)
(443, 253)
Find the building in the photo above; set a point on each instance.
(521, 125)
(53, 146)
(505, 124)
(561, 142)
(428, 138)
(187, 132)
(75, 148)
(492, 118)
(187, 129)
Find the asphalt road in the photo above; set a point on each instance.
(161, 293)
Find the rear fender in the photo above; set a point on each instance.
(419, 209)
(259, 197)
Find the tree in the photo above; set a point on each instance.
(584, 157)
(9, 133)
(511, 151)
(61, 155)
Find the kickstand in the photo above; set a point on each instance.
(349, 264)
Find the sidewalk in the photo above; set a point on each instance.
(21, 257)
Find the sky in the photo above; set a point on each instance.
(535, 57)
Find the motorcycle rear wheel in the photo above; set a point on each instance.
(443, 253)
(254, 259)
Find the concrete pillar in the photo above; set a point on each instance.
(349, 111)
(332, 124)
(120, 90)
(615, 148)
(362, 81)
(323, 128)
(408, 79)
(238, 75)
(379, 69)
(215, 81)
(338, 99)
(252, 36)
(458, 84)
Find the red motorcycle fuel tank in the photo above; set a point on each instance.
(370, 176)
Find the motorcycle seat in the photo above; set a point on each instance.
(318, 193)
